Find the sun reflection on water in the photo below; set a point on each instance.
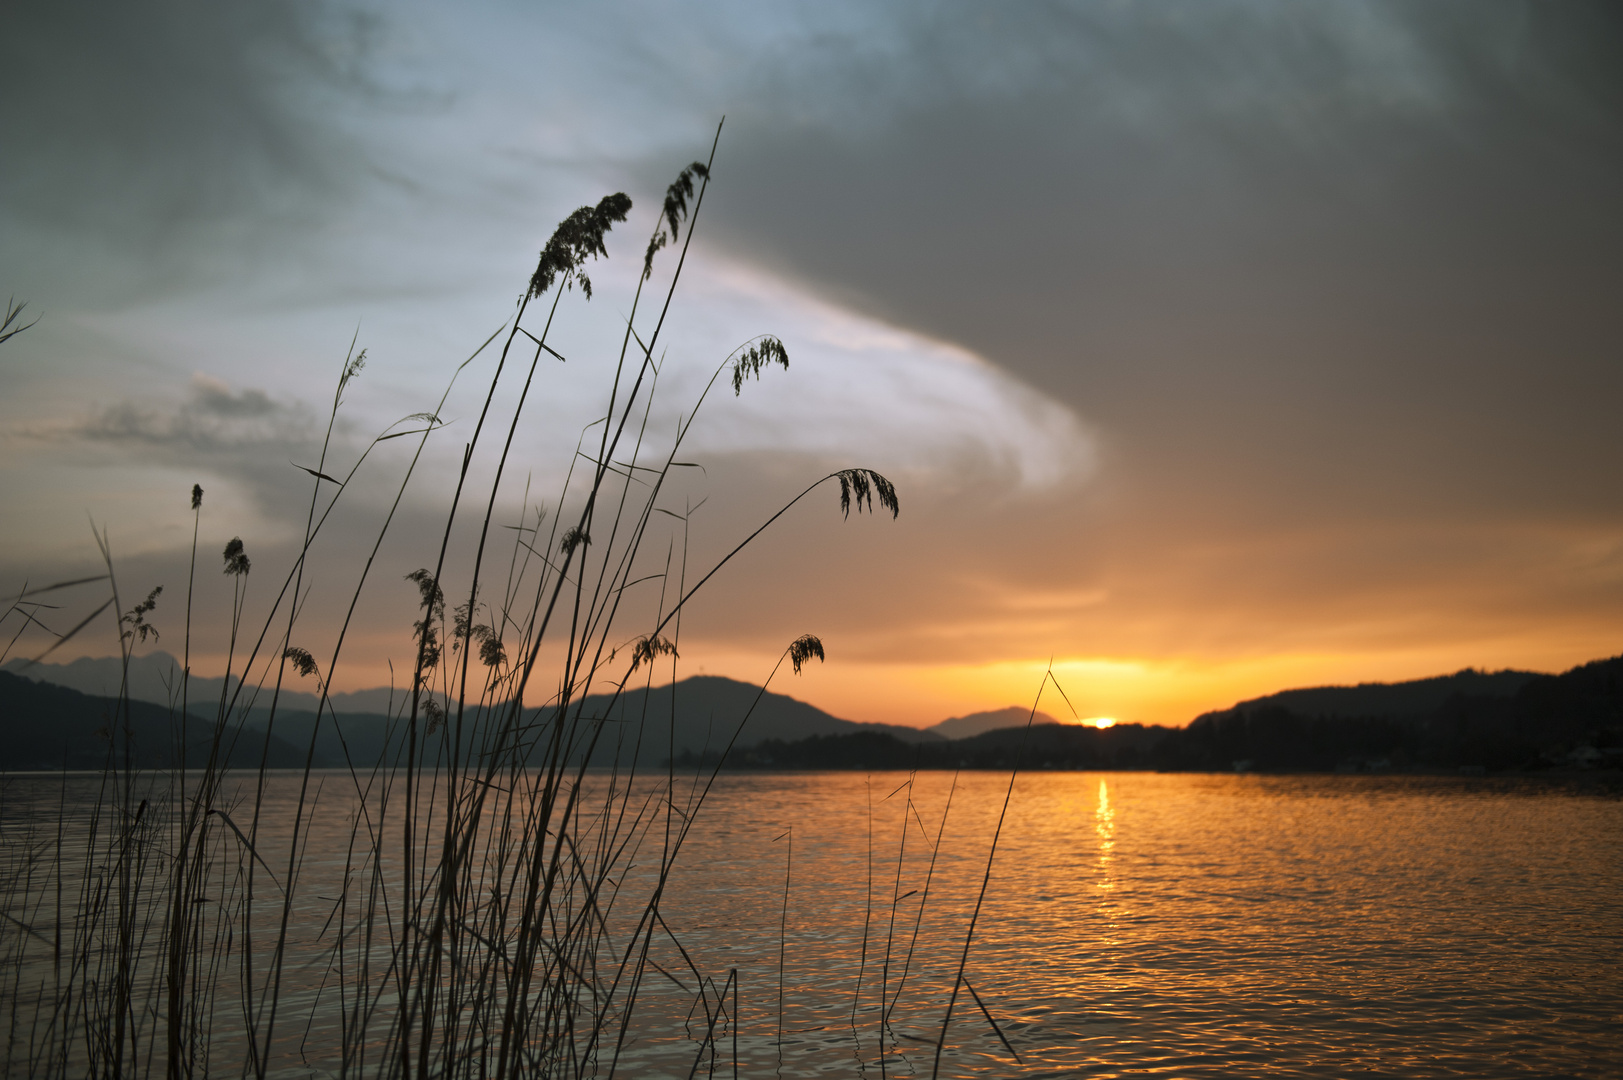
(1104, 825)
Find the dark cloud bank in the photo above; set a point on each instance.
(1293, 259)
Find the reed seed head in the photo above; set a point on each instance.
(674, 213)
(302, 662)
(236, 558)
(803, 648)
(424, 630)
(429, 588)
(135, 619)
(572, 539)
(651, 648)
(491, 650)
(768, 350)
(577, 238)
(197, 496)
(861, 485)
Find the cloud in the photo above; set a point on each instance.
(212, 420)
(245, 446)
(150, 136)
(137, 118)
(859, 390)
(1288, 259)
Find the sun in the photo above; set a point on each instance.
(1101, 721)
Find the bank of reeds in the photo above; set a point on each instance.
(494, 908)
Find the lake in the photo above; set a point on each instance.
(1134, 924)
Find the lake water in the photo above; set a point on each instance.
(1135, 924)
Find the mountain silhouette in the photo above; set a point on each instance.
(642, 726)
(964, 727)
(52, 727)
(1471, 720)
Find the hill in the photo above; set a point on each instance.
(700, 714)
(694, 716)
(155, 678)
(1416, 697)
(1045, 746)
(51, 727)
(964, 727)
(1498, 721)
(1471, 721)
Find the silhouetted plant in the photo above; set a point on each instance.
(768, 350)
(236, 558)
(675, 211)
(572, 539)
(426, 630)
(13, 313)
(135, 618)
(649, 649)
(471, 930)
(351, 369)
(578, 237)
(481, 635)
(860, 485)
(302, 661)
(803, 649)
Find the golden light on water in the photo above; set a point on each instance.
(1104, 825)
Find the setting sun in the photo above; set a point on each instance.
(1101, 721)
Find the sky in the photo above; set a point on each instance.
(1213, 347)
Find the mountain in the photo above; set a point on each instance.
(1416, 697)
(1476, 720)
(1469, 721)
(640, 726)
(51, 727)
(1473, 720)
(1042, 746)
(964, 727)
(708, 709)
(155, 678)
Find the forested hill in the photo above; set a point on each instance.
(709, 709)
(1507, 721)
(155, 678)
(40, 723)
(1574, 719)
(51, 727)
(1468, 720)
(1416, 697)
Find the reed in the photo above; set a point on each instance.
(494, 910)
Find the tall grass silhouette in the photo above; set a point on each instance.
(498, 897)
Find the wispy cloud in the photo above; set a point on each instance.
(213, 419)
(242, 444)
